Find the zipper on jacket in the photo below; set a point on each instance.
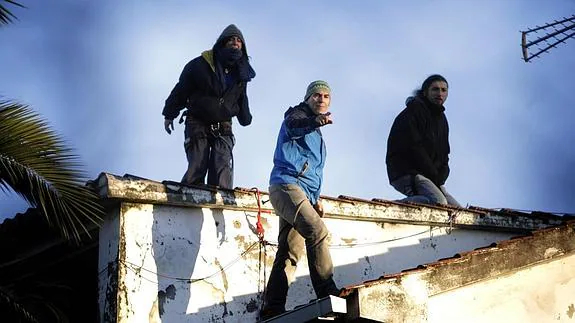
(303, 169)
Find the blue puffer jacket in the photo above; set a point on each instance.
(300, 152)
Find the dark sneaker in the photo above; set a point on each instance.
(342, 292)
(268, 313)
(336, 292)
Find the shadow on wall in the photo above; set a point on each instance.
(363, 269)
(428, 248)
(432, 245)
(175, 251)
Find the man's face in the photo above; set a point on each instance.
(234, 42)
(437, 92)
(319, 101)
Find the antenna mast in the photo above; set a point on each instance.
(552, 34)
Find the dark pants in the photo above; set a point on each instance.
(301, 230)
(209, 151)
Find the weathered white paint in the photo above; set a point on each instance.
(541, 293)
(404, 300)
(109, 238)
(144, 191)
(160, 247)
(171, 253)
(403, 291)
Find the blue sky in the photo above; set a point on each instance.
(100, 71)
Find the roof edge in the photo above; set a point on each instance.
(129, 188)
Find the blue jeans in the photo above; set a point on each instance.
(420, 189)
(299, 226)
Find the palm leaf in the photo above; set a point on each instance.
(12, 308)
(44, 301)
(6, 16)
(38, 165)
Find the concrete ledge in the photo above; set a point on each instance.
(133, 189)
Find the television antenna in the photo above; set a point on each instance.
(541, 39)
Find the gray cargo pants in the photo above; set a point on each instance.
(299, 226)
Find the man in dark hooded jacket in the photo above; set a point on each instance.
(418, 146)
(212, 87)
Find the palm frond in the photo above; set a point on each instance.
(45, 300)
(6, 16)
(11, 308)
(38, 165)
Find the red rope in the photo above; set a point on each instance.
(262, 256)
(259, 226)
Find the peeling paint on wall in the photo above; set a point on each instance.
(147, 191)
(110, 307)
(222, 280)
(123, 293)
(172, 238)
(403, 300)
(223, 273)
(571, 311)
(169, 293)
(552, 252)
(251, 306)
(368, 270)
(153, 315)
(349, 240)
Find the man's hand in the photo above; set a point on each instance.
(169, 123)
(323, 119)
(318, 207)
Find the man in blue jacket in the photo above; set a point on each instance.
(213, 89)
(295, 186)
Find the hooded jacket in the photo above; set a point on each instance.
(201, 91)
(418, 142)
(300, 152)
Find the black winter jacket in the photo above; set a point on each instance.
(418, 142)
(199, 90)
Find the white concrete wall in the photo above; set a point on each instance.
(538, 294)
(108, 250)
(161, 247)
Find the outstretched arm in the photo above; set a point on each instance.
(299, 123)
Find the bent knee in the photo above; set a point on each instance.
(319, 233)
(438, 199)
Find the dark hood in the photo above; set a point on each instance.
(423, 101)
(229, 31)
(302, 106)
